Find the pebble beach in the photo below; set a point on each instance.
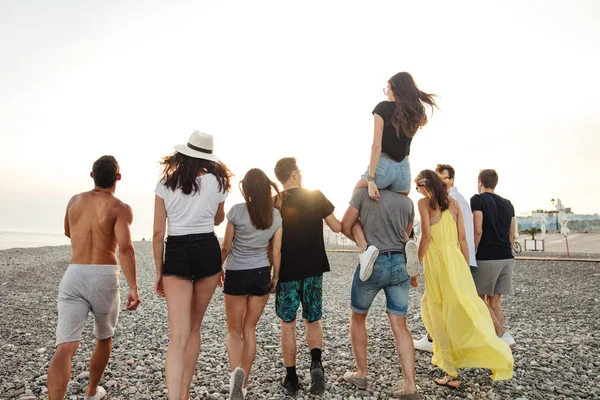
(553, 313)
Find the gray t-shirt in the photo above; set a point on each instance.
(249, 246)
(384, 222)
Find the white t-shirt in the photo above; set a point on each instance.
(192, 213)
(467, 222)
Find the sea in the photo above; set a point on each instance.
(9, 240)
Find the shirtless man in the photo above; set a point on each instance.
(96, 222)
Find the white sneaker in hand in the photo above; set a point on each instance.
(423, 344)
(412, 258)
(366, 260)
(508, 339)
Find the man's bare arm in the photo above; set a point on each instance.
(513, 233)
(348, 221)
(127, 253)
(462, 235)
(478, 226)
(67, 227)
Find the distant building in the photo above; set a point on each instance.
(577, 222)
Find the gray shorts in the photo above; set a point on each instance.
(86, 288)
(493, 276)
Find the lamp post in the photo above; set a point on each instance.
(563, 222)
(555, 215)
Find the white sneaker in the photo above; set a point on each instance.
(100, 394)
(423, 344)
(508, 339)
(412, 258)
(366, 260)
(236, 391)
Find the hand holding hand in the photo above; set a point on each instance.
(221, 279)
(413, 281)
(273, 285)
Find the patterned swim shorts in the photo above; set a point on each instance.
(307, 291)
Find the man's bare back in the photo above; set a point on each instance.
(97, 223)
(93, 221)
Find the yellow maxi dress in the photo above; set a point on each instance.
(456, 318)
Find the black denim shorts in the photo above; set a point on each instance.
(249, 282)
(192, 257)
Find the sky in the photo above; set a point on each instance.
(517, 83)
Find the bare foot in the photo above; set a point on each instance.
(449, 381)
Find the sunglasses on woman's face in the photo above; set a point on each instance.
(418, 188)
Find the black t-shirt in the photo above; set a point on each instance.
(395, 145)
(497, 216)
(302, 248)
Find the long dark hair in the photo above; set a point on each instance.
(438, 196)
(180, 172)
(256, 189)
(410, 110)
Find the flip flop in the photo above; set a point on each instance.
(446, 380)
(360, 383)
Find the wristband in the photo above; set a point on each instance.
(370, 178)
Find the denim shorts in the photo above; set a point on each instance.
(192, 257)
(308, 291)
(391, 174)
(248, 282)
(389, 274)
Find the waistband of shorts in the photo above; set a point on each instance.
(385, 156)
(247, 271)
(191, 238)
(95, 269)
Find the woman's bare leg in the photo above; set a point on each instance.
(235, 306)
(361, 184)
(179, 293)
(203, 292)
(254, 310)
(359, 236)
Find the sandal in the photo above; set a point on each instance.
(360, 383)
(452, 383)
(412, 396)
